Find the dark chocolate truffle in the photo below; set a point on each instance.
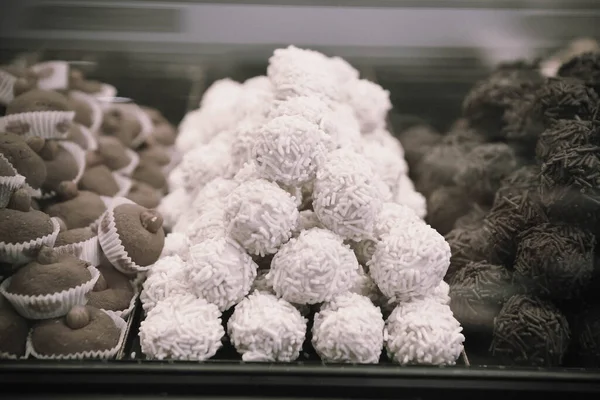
(438, 167)
(479, 173)
(35, 279)
(62, 168)
(20, 227)
(99, 179)
(150, 174)
(566, 134)
(466, 245)
(473, 218)
(56, 337)
(445, 205)
(155, 155)
(72, 236)
(23, 159)
(38, 100)
(121, 124)
(135, 231)
(585, 67)
(417, 141)
(555, 261)
(144, 195)
(530, 331)
(13, 330)
(477, 293)
(116, 294)
(80, 211)
(113, 152)
(565, 98)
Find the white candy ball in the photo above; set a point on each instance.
(370, 103)
(176, 244)
(203, 164)
(165, 279)
(173, 205)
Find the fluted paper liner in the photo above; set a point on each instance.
(124, 184)
(146, 124)
(79, 155)
(56, 77)
(7, 83)
(51, 305)
(124, 314)
(92, 102)
(106, 200)
(35, 193)
(133, 163)
(44, 124)
(111, 243)
(88, 250)
(8, 184)
(92, 142)
(106, 94)
(98, 354)
(8, 356)
(19, 253)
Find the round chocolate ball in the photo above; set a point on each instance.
(445, 205)
(586, 67)
(566, 134)
(466, 245)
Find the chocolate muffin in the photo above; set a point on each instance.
(530, 331)
(13, 331)
(38, 100)
(63, 167)
(78, 209)
(83, 329)
(122, 124)
(156, 154)
(151, 174)
(26, 78)
(113, 290)
(144, 195)
(23, 158)
(444, 206)
(99, 179)
(113, 152)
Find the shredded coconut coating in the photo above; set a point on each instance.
(220, 271)
(395, 215)
(385, 138)
(259, 83)
(203, 164)
(311, 108)
(313, 268)
(289, 149)
(166, 278)
(175, 179)
(365, 286)
(406, 194)
(176, 244)
(370, 103)
(267, 329)
(423, 332)
(201, 126)
(385, 162)
(215, 190)
(210, 224)
(260, 216)
(221, 93)
(352, 333)
(409, 262)
(298, 72)
(248, 172)
(346, 198)
(246, 133)
(307, 220)
(343, 70)
(182, 328)
(173, 205)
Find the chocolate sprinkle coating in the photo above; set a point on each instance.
(99, 179)
(466, 245)
(530, 331)
(477, 293)
(444, 206)
(563, 98)
(566, 134)
(438, 167)
(54, 337)
(20, 227)
(38, 100)
(79, 212)
(587, 337)
(23, 159)
(13, 330)
(417, 141)
(483, 168)
(555, 261)
(585, 67)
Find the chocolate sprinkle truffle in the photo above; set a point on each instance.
(99, 179)
(444, 206)
(13, 331)
(417, 141)
(477, 293)
(438, 167)
(530, 331)
(466, 245)
(555, 261)
(24, 159)
(585, 67)
(563, 98)
(566, 134)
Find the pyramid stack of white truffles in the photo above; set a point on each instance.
(292, 197)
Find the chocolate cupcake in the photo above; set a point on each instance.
(101, 180)
(114, 292)
(585, 67)
(10, 181)
(40, 113)
(79, 242)
(530, 331)
(24, 230)
(116, 156)
(23, 156)
(164, 134)
(82, 137)
(50, 286)
(85, 332)
(66, 165)
(128, 123)
(444, 206)
(144, 195)
(131, 236)
(555, 261)
(78, 208)
(87, 110)
(150, 174)
(13, 332)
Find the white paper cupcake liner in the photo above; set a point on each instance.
(111, 242)
(44, 124)
(7, 84)
(124, 184)
(107, 200)
(57, 79)
(88, 250)
(8, 184)
(124, 314)
(50, 305)
(106, 94)
(16, 253)
(35, 193)
(97, 354)
(133, 163)
(92, 142)
(92, 102)
(8, 356)
(146, 124)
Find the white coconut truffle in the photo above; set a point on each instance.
(441, 293)
(260, 83)
(289, 149)
(220, 271)
(411, 262)
(175, 179)
(176, 244)
(248, 172)
(343, 70)
(423, 332)
(386, 163)
(365, 286)
(222, 93)
(311, 108)
(241, 149)
(385, 138)
(209, 224)
(370, 103)
(215, 190)
(313, 268)
(201, 126)
(260, 216)
(182, 327)
(346, 198)
(203, 164)
(265, 328)
(352, 333)
(406, 194)
(165, 279)
(173, 205)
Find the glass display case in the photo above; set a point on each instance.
(325, 199)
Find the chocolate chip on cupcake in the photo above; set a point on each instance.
(113, 292)
(13, 332)
(77, 208)
(22, 155)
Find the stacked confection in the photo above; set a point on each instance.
(79, 177)
(291, 212)
(514, 187)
